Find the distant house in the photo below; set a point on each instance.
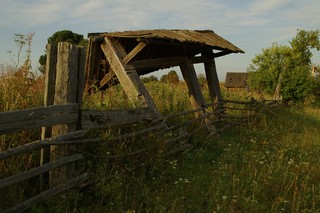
(236, 80)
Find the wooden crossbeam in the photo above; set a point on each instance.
(127, 74)
(134, 52)
(166, 62)
(106, 78)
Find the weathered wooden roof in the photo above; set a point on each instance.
(203, 37)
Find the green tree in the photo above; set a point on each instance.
(171, 78)
(59, 36)
(151, 78)
(286, 67)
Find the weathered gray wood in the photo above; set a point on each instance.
(48, 194)
(66, 91)
(40, 122)
(127, 74)
(50, 82)
(38, 170)
(35, 113)
(37, 117)
(97, 118)
(134, 52)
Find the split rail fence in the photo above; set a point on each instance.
(64, 124)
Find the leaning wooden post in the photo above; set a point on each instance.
(195, 94)
(212, 77)
(50, 81)
(70, 69)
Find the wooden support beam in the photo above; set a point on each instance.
(127, 75)
(190, 77)
(134, 52)
(195, 94)
(212, 77)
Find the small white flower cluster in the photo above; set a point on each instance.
(182, 180)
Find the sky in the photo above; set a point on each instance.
(251, 25)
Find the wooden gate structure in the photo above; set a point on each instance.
(125, 55)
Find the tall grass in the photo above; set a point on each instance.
(271, 165)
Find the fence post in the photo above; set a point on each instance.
(68, 89)
(48, 100)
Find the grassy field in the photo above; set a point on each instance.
(271, 164)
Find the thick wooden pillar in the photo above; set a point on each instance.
(127, 74)
(68, 89)
(195, 94)
(212, 77)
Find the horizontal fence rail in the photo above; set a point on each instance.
(37, 117)
(107, 118)
(92, 119)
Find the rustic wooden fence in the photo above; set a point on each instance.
(64, 125)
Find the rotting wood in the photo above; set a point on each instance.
(38, 170)
(48, 194)
(127, 75)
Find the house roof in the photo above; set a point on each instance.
(168, 48)
(202, 37)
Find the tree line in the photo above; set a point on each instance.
(280, 70)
